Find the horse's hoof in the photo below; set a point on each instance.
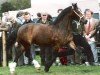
(46, 70)
(38, 68)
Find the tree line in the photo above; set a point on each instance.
(14, 5)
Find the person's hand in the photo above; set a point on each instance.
(87, 37)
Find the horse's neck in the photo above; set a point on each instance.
(65, 24)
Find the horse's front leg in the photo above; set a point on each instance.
(29, 55)
(42, 55)
(49, 63)
(18, 52)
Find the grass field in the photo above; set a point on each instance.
(54, 70)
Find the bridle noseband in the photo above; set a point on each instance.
(78, 15)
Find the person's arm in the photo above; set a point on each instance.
(95, 31)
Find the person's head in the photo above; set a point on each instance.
(49, 17)
(88, 14)
(20, 13)
(44, 16)
(39, 15)
(6, 14)
(11, 19)
(27, 16)
(59, 10)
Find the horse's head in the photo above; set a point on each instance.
(77, 14)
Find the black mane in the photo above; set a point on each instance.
(61, 15)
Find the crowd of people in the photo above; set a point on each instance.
(23, 18)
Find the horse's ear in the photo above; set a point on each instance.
(74, 6)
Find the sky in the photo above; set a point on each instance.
(58, 1)
(99, 1)
(51, 6)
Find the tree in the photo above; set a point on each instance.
(21, 4)
(5, 7)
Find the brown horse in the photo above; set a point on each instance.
(54, 36)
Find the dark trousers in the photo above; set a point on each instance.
(45, 54)
(81, 41)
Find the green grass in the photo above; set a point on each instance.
(54, 70)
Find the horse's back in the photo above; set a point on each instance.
(37, 33)
(31, 27)
(26, 26)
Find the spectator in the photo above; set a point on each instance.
(39, 15)
(20, 17)
(45, 19)
(5, 17)
(89, 30)
(27, 18)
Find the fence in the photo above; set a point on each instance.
(3, 30)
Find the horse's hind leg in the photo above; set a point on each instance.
(19, 52)
(49, 64)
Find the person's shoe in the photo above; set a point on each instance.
(96, 64)
(87, 64)
(99, 64)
